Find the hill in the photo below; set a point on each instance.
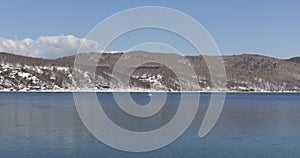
(244, 72)
(295, 59)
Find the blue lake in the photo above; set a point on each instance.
(251, 125)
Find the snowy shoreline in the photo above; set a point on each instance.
(139, 91)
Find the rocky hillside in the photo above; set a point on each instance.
(244, 73)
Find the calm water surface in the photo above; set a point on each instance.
(251, 125)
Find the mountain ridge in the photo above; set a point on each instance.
(294, 59)
(245, 72)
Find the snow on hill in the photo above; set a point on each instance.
(244, 73)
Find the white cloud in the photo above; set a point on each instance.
(48, 46)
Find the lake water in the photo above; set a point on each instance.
(251, 125)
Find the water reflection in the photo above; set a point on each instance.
(251, 125)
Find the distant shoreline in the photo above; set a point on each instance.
(245, 73)
(138, 91)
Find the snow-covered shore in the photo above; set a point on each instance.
(141, 91)
(258, 75)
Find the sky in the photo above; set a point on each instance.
(55, 28)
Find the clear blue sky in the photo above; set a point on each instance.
(265, 27)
